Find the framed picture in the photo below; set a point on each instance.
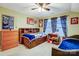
(7, 22)
(41, 23)
(11, 22)
(74, 20)
(30, 20)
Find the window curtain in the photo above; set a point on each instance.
(54, 24)
(45, 24)
(59, 28)
(63, 23)
(48, 27)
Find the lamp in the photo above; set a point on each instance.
(41, 9)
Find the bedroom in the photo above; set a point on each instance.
(17, 19)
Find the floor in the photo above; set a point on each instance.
(43, 49)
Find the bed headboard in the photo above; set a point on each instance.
(27, 30)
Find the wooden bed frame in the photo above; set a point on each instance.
(25, 41)
(56, 52)
(34, 43)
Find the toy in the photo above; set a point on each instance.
(49, 41)
(54, 38)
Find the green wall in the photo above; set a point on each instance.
(72, 29)
(19, 18)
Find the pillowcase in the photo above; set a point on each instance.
(33, 33)
(41, 33)
(72, 38)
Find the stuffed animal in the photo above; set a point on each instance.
(54, 39)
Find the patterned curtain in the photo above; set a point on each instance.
(63, 23)
(54, 24)
(45, 24)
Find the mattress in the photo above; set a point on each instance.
(69, 44)
(34, 36)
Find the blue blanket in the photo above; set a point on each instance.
(69, 44)
(29, 36)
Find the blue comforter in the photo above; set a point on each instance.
(69, 44)
(29, 36)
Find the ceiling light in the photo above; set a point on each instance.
(41, 9)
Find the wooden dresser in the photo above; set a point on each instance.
(8, 39)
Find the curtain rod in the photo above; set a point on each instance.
(56, 17)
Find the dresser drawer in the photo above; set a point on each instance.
(8, 38)
(10, 42)
(15, 33)
(9, 34)
(9, 46)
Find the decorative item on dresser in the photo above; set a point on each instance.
(8, 39)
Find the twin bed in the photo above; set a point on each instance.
(68, 47)
(31, 37)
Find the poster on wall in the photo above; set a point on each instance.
(74, 20)
(41, 23)
(7, 22)
(11, 23)
(30, 20)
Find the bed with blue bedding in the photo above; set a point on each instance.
(69, 46)
(29, 36)
(34, 39)
(34, 36)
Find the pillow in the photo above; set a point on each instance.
(33, 33)
(41, 33)
(72, 38)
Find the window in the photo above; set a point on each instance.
(59, 27)
(48, 27)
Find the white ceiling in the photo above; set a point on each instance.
(55, 8)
